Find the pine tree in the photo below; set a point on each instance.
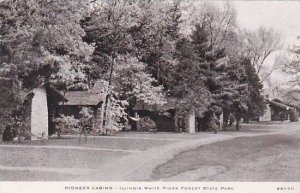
(237, 89)
(210, 65)
(256, 104)
(187, 81)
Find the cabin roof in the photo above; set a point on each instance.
(279, 104)
(82, 98)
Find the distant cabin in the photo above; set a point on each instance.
(276, 110)
(165, 122)
(164, 116)
(76, 100)
(45, 103)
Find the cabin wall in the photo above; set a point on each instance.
(163, 123)
(70, 110)
(278, 114)
(39, 114)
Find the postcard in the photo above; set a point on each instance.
(128, 96)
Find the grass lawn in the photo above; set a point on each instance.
(101, 142)
(20, 161)
(33, 176)
(56, 158)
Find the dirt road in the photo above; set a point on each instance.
(262, 158)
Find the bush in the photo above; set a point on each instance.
(146, 124)
(9, 133)
(16, 126)
(66, 124)
(213, 123)
(293, 115)
(86, 119)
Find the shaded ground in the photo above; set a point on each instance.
(263, 158)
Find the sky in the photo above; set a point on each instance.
(283, 16)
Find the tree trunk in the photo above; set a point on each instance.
(102, 115)
(108, 93)
(237, 122)
(237, 125)
(176, 122)
(225, 118)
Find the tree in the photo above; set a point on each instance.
(236, 91)
(40, 41)
(232, 92)
(108, 28)
(211, 65)
(133, 83)
(134, 29)
(188, 83)
(258, 46)
(256, 102)
(220, 21)
(155, 38)
(10, 98)
(42, 46)
(130, 83)
(290, 66)
(214, 32)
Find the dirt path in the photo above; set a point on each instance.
(261, 158)
(139, 167)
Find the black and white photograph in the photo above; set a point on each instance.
(150, 91)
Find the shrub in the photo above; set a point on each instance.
(293, 115)
(147, 124)
(66, 124)
(9, 133)
(86, 119)
(16, 126)
(213, 123)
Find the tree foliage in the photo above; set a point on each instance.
(258, 45)
(256, 102)
(42, 41)
(133, 83)
(140, 49)
(188, 83)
